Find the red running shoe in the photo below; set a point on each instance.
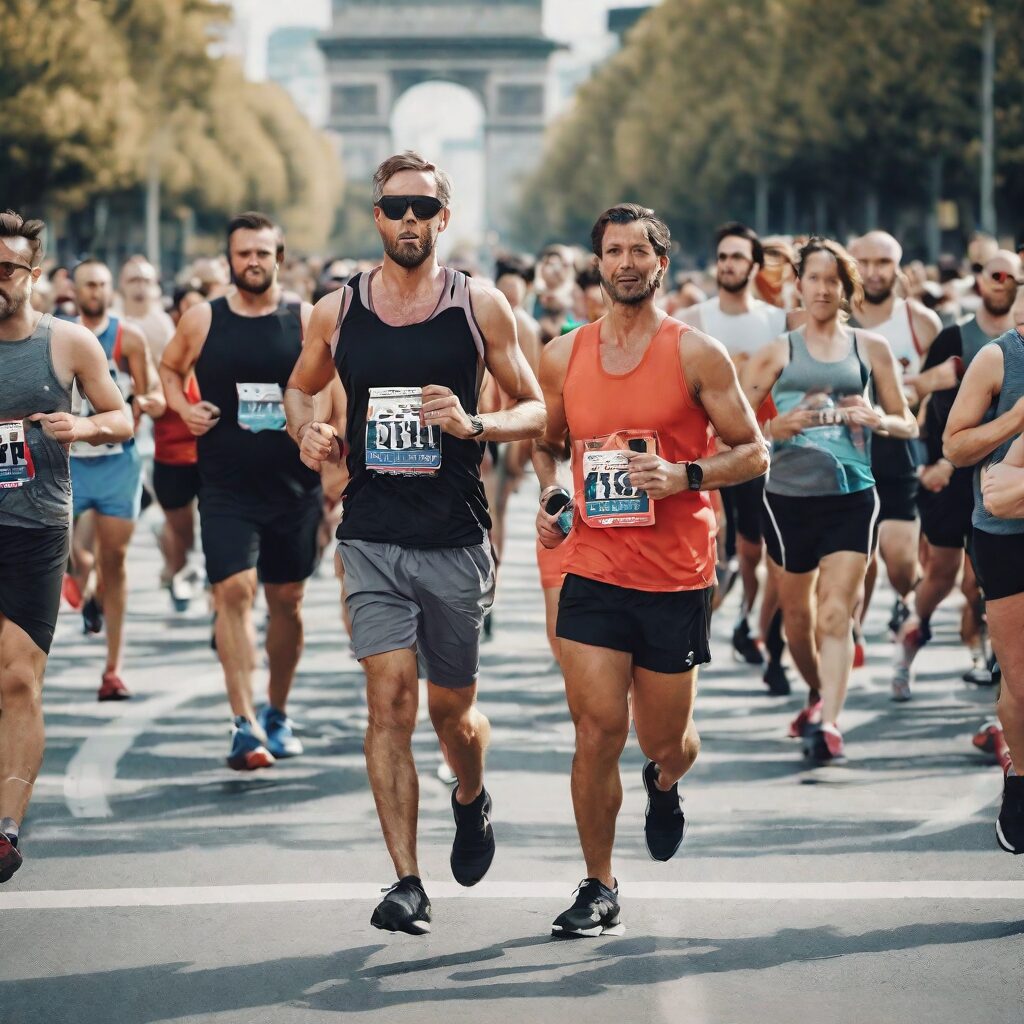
(858, 655)
(10, 858)
(113, 688)
(71, 592)
(808, 717)
(989, 740)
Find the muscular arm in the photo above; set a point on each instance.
(967, 440)
(760, 372)
(148, 394)
(712, 378)
(549, 448)
(1002, 486)
(182, 352)
(111, 422)
(524, 416)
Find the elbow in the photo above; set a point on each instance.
(951, 451)
(762, 457)
(913, 429)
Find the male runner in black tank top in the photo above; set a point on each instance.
(418, 569)
(259, 507)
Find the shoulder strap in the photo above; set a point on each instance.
(296, 309)
(913, 333)
(865, 368)
(117, 353)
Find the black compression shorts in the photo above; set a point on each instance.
(32, 567)
(175, 486)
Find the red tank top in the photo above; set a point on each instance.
(677, 552)
(174, 444)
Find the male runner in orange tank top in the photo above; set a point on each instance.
(639, 388)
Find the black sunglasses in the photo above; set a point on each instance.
(423, 207)
(7, 269)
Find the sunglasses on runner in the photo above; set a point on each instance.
(423, 207)
(7, 269)
(1002, 276)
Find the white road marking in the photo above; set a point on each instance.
(223, 895)
(91, 772)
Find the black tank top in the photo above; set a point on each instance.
(259, 465)
(444, 511)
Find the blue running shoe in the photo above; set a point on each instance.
(247, 750)
(281, 740)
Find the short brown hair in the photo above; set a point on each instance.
(853, 287)
(253, 220)
(13, 225)
(410, 161)
(656, 229)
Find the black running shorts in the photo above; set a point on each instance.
(279, 540)
(800, 532)
(742, 504)
(898, 498)
(998, 563)
(175, 486)
(32, 567)
(666, 632)
(946, 514)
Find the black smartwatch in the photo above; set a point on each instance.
(694, 476)
(477, 424)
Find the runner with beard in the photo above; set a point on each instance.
(635, 608)
(259, 506)
(820, 501)
(40, 358)
(418, 568)
(946, 500)
(985, 430)
(744, 324)
(910, 328)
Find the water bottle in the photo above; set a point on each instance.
(559, 503)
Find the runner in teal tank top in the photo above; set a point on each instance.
(820, 503)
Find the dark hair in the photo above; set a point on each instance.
(510, 263)
(411, 161)
(734, 229)
(253, 220)
(181, 291)
(13, 225)
(89, 261)
(845, 264)
(630, 213)
(588, 277)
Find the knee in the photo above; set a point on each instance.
(796, 619)
(394, 711)
(671, 752)
(834, 616)
(20, 686)
(600, 738)
(235, 592)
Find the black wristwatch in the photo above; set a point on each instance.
(477, 424)
(694, 476)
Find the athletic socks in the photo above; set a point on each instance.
(9, 827)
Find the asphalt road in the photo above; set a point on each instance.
(160, 886)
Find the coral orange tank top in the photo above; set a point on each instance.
(676, 552)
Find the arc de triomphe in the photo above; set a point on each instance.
(378, 49)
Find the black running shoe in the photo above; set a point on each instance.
(665, 824)
(899, 614)
(92, 616)
(595, 912)
(10, 858)
(405, 908)
(775, 678)
(473, 849)
(745, 647)
(1010, 823)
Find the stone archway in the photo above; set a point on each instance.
(378, 49)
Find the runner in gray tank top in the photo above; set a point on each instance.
(984, 429)
(820, 502)
(39, 359)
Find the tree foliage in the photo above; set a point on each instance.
(98, 95)
(843, 113)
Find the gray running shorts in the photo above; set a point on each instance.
(430, 599)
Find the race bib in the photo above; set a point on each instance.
(260, 407)
(609, 498)
(396, 442)
(16, 467)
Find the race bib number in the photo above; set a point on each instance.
(16, 467)
(260, 407)
(609, 498)
(396, 442)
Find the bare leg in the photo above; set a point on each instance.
(236, 639)
(177, 538)
(113, 536)
(22, 665)
(938, 581)
(796, 593)
(1004, 627)
(663, 715)
(464, 734)
(897, 544)
(284, 638)
(597, 682)
(392, 695)
(839, 578)
(750, 554)
(551, 595)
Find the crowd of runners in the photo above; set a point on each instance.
(827, 409)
